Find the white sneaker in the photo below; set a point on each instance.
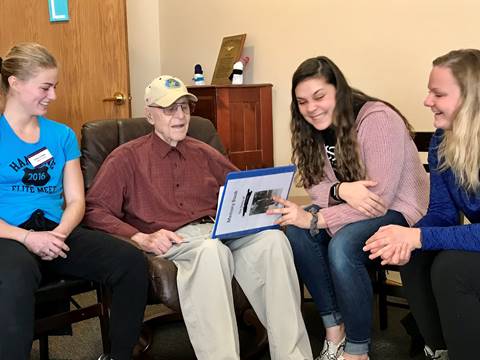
(331, 351)
(105, 357)
(437, 355)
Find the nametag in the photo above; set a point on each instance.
(39, 157)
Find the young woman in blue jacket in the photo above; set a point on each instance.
(441, 254)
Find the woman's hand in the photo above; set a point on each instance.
(393, 243)
(48, 245)
(357, 195)
(291, 214)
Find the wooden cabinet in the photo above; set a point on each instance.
(242, 115)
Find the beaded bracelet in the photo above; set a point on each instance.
(314, 221)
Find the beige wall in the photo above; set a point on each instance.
(384, 47)
(143, 48)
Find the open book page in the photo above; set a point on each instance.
(246, 197)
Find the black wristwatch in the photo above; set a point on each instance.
(334, 192)
(314, 230)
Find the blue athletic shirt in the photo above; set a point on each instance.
(24, 188)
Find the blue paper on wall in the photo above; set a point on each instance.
(58, 10)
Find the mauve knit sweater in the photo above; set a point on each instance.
(391, 159)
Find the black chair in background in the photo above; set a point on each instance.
(53, 313)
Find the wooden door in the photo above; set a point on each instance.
(91, 49)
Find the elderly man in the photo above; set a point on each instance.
(160, 190)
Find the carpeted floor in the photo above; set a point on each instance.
(171, 340)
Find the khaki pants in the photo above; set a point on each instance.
(263, 265)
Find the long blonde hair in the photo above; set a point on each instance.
(459, 149)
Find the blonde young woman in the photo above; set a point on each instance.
(41, 205)
(441, 254)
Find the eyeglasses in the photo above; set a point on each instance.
(171, 110)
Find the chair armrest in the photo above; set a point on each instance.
(163, 282)
(163, 279)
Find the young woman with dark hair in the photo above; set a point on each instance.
(357, 161)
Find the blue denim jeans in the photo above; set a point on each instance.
(334, 269)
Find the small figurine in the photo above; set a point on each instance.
(237, 73)
(198, 78)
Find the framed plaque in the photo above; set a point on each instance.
(230, 52)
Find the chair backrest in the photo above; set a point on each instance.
(422, 141)
(101, 137)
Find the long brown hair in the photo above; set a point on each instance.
(307, 142)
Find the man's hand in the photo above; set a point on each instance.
(357, 195)
(394, 244)
(48, 245)
(157, 243)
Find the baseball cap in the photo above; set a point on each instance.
(165, 90)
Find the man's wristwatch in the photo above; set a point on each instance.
(314, 222)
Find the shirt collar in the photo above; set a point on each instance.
(162, 149)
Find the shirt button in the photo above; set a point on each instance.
(181, 204)
(178, 185)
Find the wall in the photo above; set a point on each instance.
(143, 48)
(384, 47)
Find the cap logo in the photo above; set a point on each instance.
(172, 84)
